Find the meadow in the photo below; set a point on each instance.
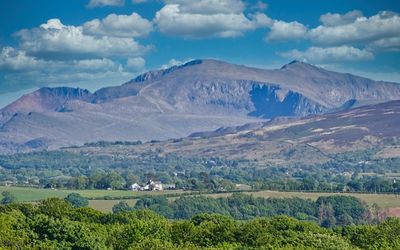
(25, 194)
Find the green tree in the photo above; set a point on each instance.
(8, 198)
(76, 200)
(120, 207)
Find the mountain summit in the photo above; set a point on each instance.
(196, 96)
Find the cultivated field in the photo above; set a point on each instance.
(35, 194)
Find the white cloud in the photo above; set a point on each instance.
(135, 64)
(12, 59)
(54, 54)
(101, 3)
(351, 28)
(16, 60)
(208, 7)
(361, 30)
(171, 63)
(119, 26)
(387, 44)
(342, 37)
(329, 54)
(55, 40)
(335, 19)
(285, 31)
(189, 20)
(24, 71)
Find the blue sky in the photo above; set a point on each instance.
(96, 43)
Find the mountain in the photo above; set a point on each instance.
(304, 140)
(200, 95)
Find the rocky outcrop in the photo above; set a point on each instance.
(268, 104)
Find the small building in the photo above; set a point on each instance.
(135, 187)
(155, 185)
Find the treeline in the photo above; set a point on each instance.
(328, 211)
(63, 169)
(55, 224)
(110, 143)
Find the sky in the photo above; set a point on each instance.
(97, 43)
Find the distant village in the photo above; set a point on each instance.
(152, 186)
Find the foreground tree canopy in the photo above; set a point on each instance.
(56, 224)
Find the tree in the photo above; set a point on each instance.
(8, 198)
(76, 200)
(120, 207)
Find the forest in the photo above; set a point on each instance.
(57, 224)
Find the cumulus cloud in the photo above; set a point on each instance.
(55, 53)
(171, 63)
(342, 37)
(101, 3)
(22, 70)
(386, 44)
(281, 30)
(329, 54)
(357, 29)
(56, 40)
(16, 60)
(206, 18)
(335, 19)
(351, 28)
(135, 64)
(209, 7)
(119, 25)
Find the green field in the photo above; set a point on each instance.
(35, 194)
(383, 200)
(107, 205)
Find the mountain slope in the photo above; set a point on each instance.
(197, 96)
(307, 140)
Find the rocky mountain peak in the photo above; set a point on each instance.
(296, 64)
(46, 99)
(156, 74)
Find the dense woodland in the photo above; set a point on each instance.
(56, 224)
(355, 171)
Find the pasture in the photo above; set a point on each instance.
(24, 194)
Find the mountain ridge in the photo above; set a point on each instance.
(199, 95)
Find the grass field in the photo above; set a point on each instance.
(35, 194)
(383, 200)
(107, 205)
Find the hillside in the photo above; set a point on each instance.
(198, 96)
(308, 140)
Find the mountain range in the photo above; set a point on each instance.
(201, 95)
